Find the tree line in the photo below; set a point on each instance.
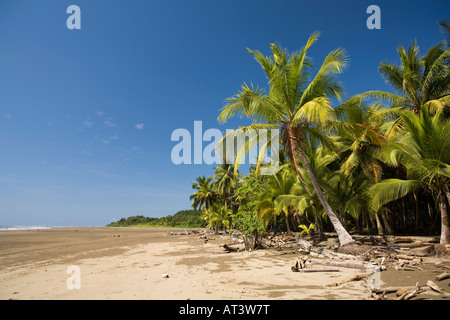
(377, 162)
(181, 219)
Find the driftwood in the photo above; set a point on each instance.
(402, 240)
(341, 264)
(412, 253)
(405, 257)
(443, 276)
(440, 265)
(433, 286)
(319, 252)
(409, 294)
(299, 264)
(233, 247)
(358, 277)
(400, 290)
(318, 270)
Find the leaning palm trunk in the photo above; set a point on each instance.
(294, 146)
(344, 236)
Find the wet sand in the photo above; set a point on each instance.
(129, 263)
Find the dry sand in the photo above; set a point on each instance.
(129, 263)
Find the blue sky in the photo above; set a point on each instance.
(86, 115)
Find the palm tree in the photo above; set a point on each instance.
(218, 216)
(417, 80)
(225, 181)
(445, 27)
(424, 149)
(347, 194)
(361, 148)
(305, 202)
(205, 194)
(297, 103)
(271, 204)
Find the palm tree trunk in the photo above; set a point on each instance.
(447, 193)
(319, 225)
(416, 202)
(379, 225)
(343, 235)
(445, 230)
(287, 222)
(387, 223)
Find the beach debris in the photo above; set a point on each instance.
(318, 270)
(402, 240)
(443, 276)
(185, 232)
(405, 293)
(165, 275)
(358, 277)
(235, 247)
(433, 286)
(342, 264)
(299, 264)
(279, 241)
(441, 265)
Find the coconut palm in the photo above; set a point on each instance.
(271, 204)
(205, 194)
(301, 199)
(218, 216)
(424, 149)
(347, 194)
(297, 103)
(360, 149)
(418, 80)
(225, 182)
(445, 29)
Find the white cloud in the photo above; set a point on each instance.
(109, 124)
(88, 123)
(110, 139)
(99, 113)
(139, 126)
(7, 116)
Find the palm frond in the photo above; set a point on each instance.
(389, 190)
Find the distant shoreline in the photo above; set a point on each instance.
(37, 228)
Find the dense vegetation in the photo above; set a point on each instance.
(377, 162)
(181, 219)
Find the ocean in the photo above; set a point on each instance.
(9, 228)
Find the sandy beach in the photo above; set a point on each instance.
(151, 264)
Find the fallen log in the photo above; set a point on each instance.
(440, 265)
(319, 252)
(413, 293)
(405, 257)
(341, 264)
(410, 253)
(443, 276)
(402, 240)
(395, 289)
(317, 270)
(358, 277)
(233, 247)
